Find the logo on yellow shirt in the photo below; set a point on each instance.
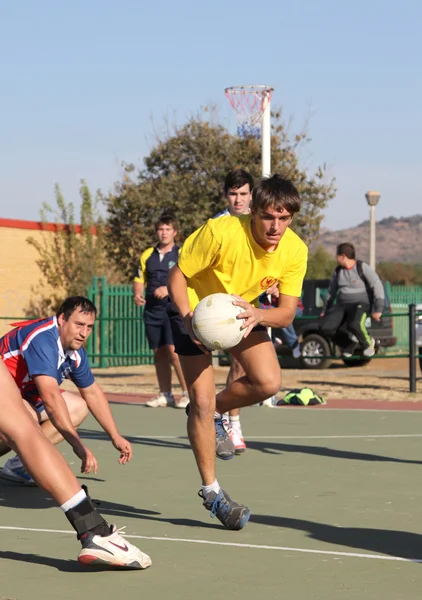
(267, 282)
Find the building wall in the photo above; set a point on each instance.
(18, 269)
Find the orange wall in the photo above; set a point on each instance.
(18, 268)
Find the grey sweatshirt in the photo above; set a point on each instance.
(350, 288)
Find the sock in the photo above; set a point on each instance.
(73, 501)
(214, 487)
(167, 394)
(185, 394)
(235, 424)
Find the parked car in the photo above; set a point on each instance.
(316, 347)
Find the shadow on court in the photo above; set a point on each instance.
(266, 446)
(14, 496)
(89, 434)
(393, 543)
(66, 566)
(269, 447)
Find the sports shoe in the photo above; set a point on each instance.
(296, 350)
(112, 550)
(224, 448)
(237, 440)
(370, 350)
(161, 401)
(229, 513)
(183, 401)
(14, 470)
(349, 350)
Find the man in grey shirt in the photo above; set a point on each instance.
(359, 293)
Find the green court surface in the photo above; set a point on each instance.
(335, 495)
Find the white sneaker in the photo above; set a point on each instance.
(161, 401)
(370, 351)
(14, 471)
(183, 401)
(270, 402)
(111, 550)
(237, 438)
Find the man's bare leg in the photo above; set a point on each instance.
(78, 411)
(175, 361)
(235, 427)
(50, 470)
(199, 377)
(162, 369)
(257, 356)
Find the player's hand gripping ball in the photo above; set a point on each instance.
(215, 324)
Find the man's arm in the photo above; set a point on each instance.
(58, 413)
(138, 293)
(331, 293)
(378, 290)
(178, 290)
(99, 407)
(281, 316)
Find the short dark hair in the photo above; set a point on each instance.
(167, 220)
(276, 192)
(347, 249)
(71, 304)
(237, 178)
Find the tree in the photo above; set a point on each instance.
(184, 175)
(321, 264)
(71, 255)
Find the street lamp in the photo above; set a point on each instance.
(372, 199)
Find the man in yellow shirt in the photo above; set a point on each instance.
(243, 256)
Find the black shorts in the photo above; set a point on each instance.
(159, 334)
(183, 343)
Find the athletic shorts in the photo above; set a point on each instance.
(183, 343)
(159, 334)
(31, 396)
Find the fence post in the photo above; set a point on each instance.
(412, 348)
(104, 323)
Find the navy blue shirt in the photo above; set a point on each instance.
(152, 271)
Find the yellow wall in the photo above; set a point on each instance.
(18, 271)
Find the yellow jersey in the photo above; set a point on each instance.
(223, 256)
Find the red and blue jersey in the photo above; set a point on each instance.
(34, 348)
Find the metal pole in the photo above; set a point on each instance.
(412, 348)
(372, 262)
(266, 135)
(266, 172)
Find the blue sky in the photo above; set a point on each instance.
(84, 84)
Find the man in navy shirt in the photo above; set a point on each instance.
(150, 291)
(40, 355)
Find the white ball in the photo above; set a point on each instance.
(214, 322)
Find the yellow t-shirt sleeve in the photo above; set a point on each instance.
(291, 281)
(199, 250)
(141, 271)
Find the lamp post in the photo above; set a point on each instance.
(372, 199)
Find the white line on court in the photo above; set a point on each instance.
(290, 437)
(235, 545)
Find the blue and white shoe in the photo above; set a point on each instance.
(14, 471)
(230, 514)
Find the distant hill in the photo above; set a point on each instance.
(397, 240)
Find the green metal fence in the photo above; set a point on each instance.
(400, 297)
(118, 337)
